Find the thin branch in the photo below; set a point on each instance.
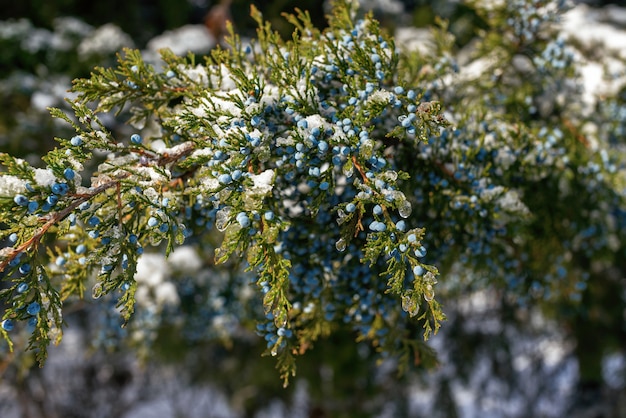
(53, 219)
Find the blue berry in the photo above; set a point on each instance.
(377, 226)
(324, 185)
(132, 238)
(93, 221)
(21, 200)
(243, 219)
(22, 287)
(52, 200)
(225, 178)
(170, 74)
(254, 141)
(33, 206)
(33, 308)
(8, 325)
(59, 188)
(284, 332)
(269, 215)
(401, 225)
(412, 238)
(13, 238)
(350, 207)
(164, 227)
(135, 139)
(418, 270)
(16, 260)
(25, 268)
(76, 141)
(314, 171)
(60, 261)
(152, 222)
(69, 174)
(378, 210)
(80, 249)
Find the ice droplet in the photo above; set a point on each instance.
(429, 293)
(220, 253)
(341, 216)
(263, 154)
(280, 318)
(155, 240)
(367, 148)
(341, 244)
(390, 176)
(221, 218)
(430, 278)
(409, 305)
(348, 168)
(405, 209)
(96, 292)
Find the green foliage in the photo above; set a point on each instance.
(238, 137)
(322, 177)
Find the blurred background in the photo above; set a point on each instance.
(496, 361)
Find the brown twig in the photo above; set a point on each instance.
(54, 218)
(175, 154)
(359, 169)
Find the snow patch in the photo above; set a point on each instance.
(189, 38)
(263, 183)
